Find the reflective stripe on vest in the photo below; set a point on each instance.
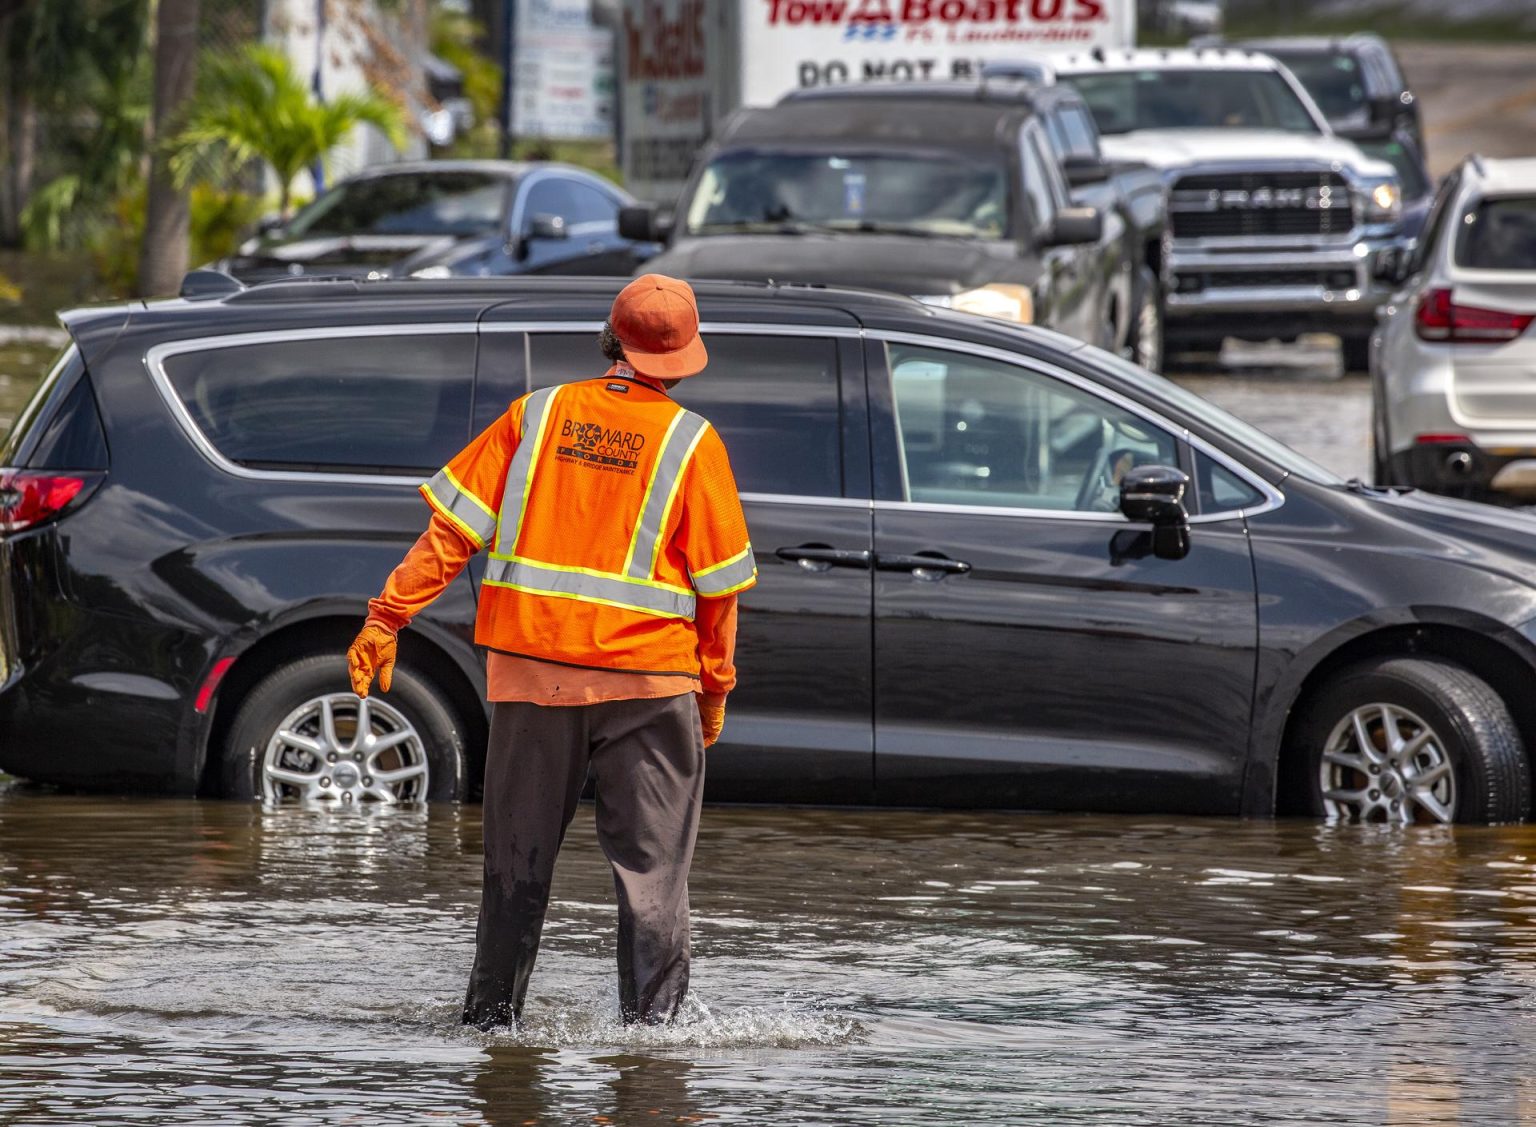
(635, 588)
(461, 506)
(727, 576)
(677, 447)
(514, 498)
(532, 578)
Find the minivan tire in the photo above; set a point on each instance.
(290, 686)
(1471, 726)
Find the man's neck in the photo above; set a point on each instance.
(624, 371)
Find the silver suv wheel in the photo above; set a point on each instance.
(342, 748)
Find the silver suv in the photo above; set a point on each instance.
(1453, 370)
(1275, 223)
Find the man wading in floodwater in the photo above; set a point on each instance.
(609, 611)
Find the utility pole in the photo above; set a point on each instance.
(509, 78)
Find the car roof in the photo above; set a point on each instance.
(1506, 174)
(511, 169)
(883, 93)
(945, 115)
(1164, 58)
(1311, 43)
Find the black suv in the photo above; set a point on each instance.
(953, 192)
(998, 567)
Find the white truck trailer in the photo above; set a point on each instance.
(687, 64)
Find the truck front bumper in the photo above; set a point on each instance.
(1257, 293)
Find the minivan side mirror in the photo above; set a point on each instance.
(1155, 494)
(1082, 171)
(644, 223)
(1075, 225)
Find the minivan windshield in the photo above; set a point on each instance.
(406, 203)
(1197, 98)
(1215, 421)
(773, 191)
(1498, 234)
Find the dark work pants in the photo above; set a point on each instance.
(647, 758)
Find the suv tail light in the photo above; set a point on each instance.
(1439, 318)
(30, 497)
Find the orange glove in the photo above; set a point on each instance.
(711, 717)
(372, 651)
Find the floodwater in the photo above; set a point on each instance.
(182, 962)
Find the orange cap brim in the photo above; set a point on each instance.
(689, 360)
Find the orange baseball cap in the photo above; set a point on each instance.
(656, 319)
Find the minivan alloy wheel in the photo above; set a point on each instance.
(1382, 762)
(347, 749)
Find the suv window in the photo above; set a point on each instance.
(975, 431)
(774, 401)
(1429, 238)
(1498, 234)
(1037, 184)
(357, 403)
(1221, 490)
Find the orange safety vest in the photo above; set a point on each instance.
(608, 509)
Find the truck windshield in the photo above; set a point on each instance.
(415, 203)
(788, 192)
(1197, 98)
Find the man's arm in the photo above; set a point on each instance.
(464, 497)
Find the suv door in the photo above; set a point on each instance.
(1071, 277)
(789, 403)
(1029, 650)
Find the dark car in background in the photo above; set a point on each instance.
(441, 218)
(1355, 80)
(998, 567)
(949, 192)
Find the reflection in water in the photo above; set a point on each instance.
(216, 963)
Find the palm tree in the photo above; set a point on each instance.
(254, 106)
(165, 246)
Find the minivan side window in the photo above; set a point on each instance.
(774, 400)
(975, 431)
(371, 404)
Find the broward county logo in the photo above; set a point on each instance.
(600, 447)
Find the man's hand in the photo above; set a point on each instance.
(372, 651)
(711, 717)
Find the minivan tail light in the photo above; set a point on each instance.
(1437, 317)
(30, 497)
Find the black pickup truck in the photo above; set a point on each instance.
(987, 196)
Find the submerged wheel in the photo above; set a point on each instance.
(1413, 740)
(301, 735)
(1145, 344)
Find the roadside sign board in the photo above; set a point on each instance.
(795, 43)
(563, 72)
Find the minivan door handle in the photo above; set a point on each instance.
(824, 557)
(923, 565)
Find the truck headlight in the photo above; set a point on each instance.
(432, 272)
(1384, 201)
(1003, 300)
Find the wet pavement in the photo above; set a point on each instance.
(181, 962)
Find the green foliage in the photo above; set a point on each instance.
(454, 40)
(10, 292)
(218, 219)
(254, 106)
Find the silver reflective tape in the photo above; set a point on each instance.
(514, 497)
(594, 588)
(464, 507)
(680, 443)
(723, 579)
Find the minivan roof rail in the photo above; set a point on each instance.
(206, 284)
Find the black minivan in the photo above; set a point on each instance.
(998, 567)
